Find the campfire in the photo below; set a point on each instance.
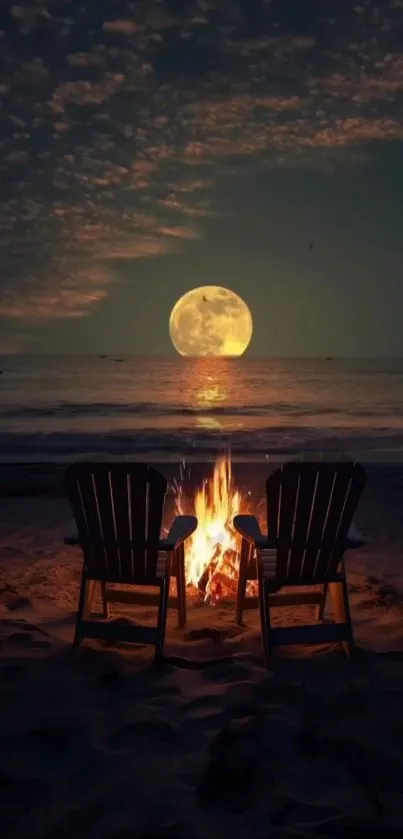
(212, 554)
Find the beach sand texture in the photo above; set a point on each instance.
(210, 744)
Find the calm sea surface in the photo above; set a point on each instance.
(59, 408)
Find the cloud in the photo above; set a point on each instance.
(85, 92)
(273, 46)
(179, 232)
(355, 131)
(123, 27)
(114, 146)
(383, 81)
(140, 249)
(66, 294)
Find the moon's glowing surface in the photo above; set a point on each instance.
(210, 320)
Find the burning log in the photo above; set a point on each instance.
(204, 579)
(211, 558)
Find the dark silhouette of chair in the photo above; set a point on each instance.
(310, 508)
(118, 509)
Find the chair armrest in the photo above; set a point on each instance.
(249, 529)
(181, 528)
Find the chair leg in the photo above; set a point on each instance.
(322, 605)
(244, 561)
(265, 620)
(181, 586)
(339, 595)
(162, 618)
(105, 604)
(82, 609)
(240, 596)
(90, 600)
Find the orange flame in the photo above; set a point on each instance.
(211, 560)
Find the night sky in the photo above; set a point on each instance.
(150, 147)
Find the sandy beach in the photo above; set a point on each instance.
(210, 744)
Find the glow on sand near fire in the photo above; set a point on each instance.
(210, 321)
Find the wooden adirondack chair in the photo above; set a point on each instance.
(310, 508)
(118, 510)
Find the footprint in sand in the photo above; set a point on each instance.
(23, 634)
(13, 603)
(389, 596)
(373, 581)
(385, 596)
(26, 639)
(212, 633)
(23, 625)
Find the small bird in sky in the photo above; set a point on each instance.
(311, 246)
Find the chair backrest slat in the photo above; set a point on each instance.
(118, 487)
(319, 530)
(118, 509)
(288, 500)
(137, 507)
(346, 494)
(106, 512)
(306, 494)
(310, 507)
(85, 504)
(154, 512)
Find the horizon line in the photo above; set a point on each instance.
(168, 357)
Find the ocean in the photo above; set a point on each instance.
(59, 409)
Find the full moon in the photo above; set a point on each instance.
(210, 320)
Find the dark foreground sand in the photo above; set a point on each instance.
(209, 745)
